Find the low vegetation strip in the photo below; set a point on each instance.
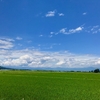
(32, 85)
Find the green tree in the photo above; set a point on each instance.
(96, 70)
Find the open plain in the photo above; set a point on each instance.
(38, 85)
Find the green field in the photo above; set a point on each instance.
(32, 85)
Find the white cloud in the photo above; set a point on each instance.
(7, 39)
(67, 32)
(60, 63)
(6, 43)
(50, 13)
(18, 38)
(60, 14)
(98, 62)
(93, 29)
(51, 32)
(36, 58)
(84, 13)
(71, 31)
(63, 30)
(78, 29)
(41, 35)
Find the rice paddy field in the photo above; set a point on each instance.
(33, 85)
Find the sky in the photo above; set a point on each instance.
(50, 33)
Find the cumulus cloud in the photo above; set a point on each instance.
(36, 58)
(71, 31)
(98, 61)
(53, 13)
(6, 43)
(60, 14)
(78, 29)
(63, 30)
(60, 63)
(51, 33)
(50, 13)
(84, 13)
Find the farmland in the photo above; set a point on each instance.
(33, 85)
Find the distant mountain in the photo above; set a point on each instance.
(12, 68)
(3, 68)
(63, 69)
(47, 68)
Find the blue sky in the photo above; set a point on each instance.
(50, 33)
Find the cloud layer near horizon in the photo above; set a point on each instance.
(36, 58)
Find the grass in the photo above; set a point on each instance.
(31, 85)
